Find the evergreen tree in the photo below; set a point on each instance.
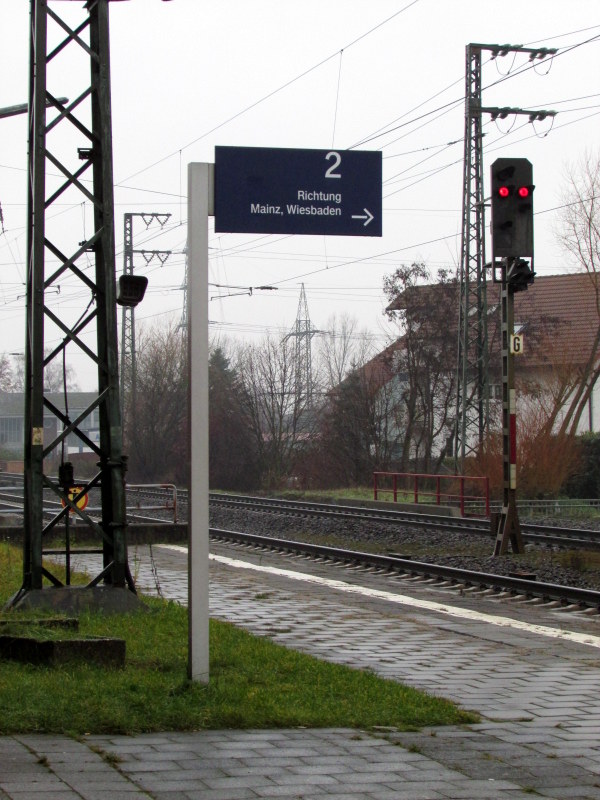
(232, 457)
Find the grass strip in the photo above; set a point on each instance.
(254, 683)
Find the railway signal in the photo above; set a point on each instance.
(512, 208)
(512, 248)
(519, 275)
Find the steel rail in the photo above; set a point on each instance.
(540, 534)
(548, 592)
(533, 533)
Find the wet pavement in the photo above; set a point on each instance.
(533, 674)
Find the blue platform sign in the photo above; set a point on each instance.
(278, 190)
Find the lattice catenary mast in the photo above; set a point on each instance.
(128, 341)
(472, 382)
(79, 36)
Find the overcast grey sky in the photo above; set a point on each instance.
(389, 75)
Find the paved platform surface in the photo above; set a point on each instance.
(532, 674)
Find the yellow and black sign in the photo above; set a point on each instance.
(72, 494)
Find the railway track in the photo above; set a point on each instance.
(548, 535)
(516, 587)
(160, 500)
(534, 534)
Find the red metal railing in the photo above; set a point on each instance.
(436, 489)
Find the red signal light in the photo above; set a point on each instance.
(511, 201)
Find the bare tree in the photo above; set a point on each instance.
(579, 234)
(157, 415)
(6, 374)
(423, 361)
(579, 231)
(277, 415)
(57, 375)
(342, 348)
(358, 428)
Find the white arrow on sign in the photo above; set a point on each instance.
(367, 216)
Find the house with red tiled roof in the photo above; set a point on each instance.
(558, 318)
(567, 304)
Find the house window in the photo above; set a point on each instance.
(11, 430)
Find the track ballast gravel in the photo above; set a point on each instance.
(463, 550)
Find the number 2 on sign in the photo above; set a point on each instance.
(337, 160)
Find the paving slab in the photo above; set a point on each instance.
(537, 694)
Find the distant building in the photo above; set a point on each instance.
(12, 405)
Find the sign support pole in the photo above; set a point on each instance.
(270, 191)
(200, 207)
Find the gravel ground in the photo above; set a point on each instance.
(567, 568)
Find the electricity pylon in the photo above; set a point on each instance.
(303, 333)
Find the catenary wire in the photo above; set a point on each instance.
(275, 91)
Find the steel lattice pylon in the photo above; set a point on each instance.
(303, 333)
(472, 394)
(128, 337)
(86, 266)
(127, 317)
(183, 322)
(472, 405)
